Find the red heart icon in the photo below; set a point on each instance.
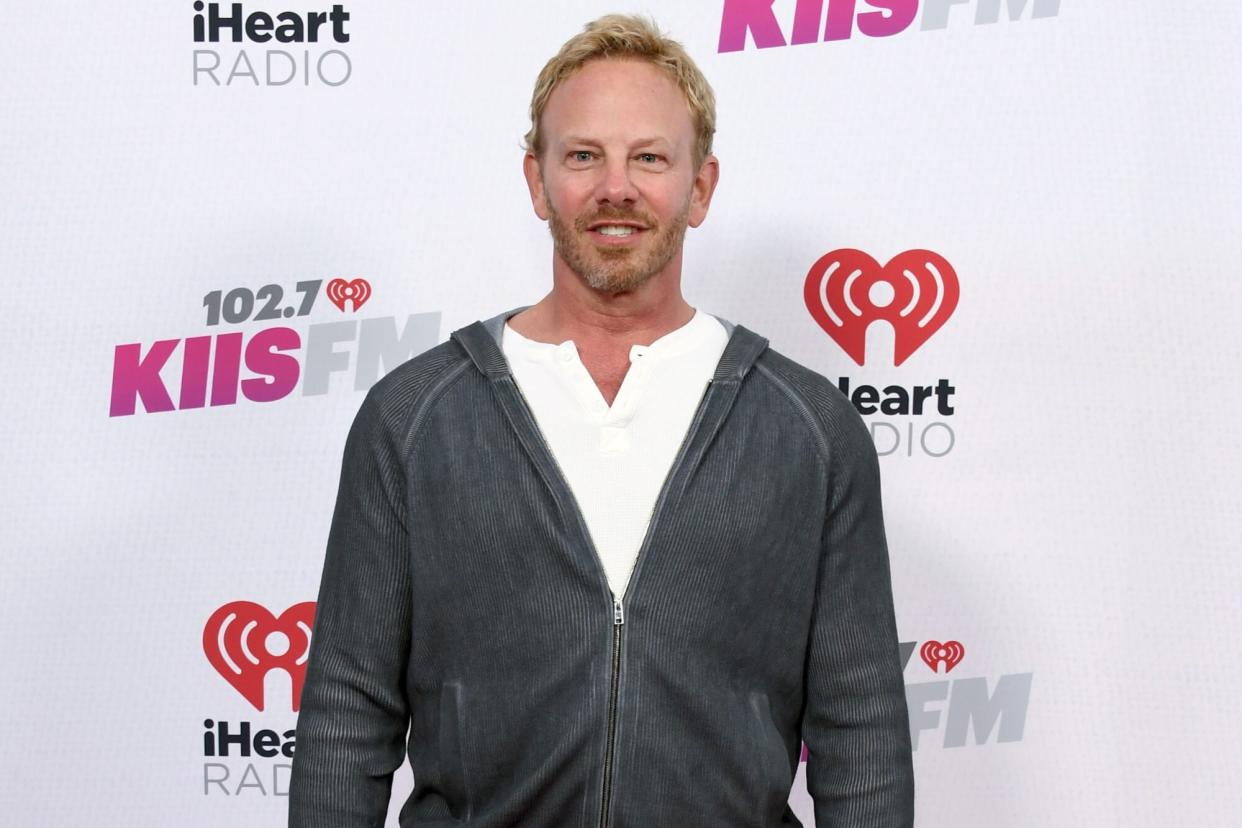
(921, 294)
(949, 653)
(243, 641)
(340, 291)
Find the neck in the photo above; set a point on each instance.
(599, 321)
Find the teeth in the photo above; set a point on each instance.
(614, 230)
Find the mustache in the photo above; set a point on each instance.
(616, 214)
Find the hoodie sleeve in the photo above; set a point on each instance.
(855, 725)
(354, 711)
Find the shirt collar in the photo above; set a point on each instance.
(674, 343)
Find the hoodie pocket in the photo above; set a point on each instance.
(770, 762)
(452, 755)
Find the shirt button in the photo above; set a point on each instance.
(566, 355)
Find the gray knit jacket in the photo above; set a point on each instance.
(464, 619)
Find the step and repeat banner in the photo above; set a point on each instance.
(1006, 229)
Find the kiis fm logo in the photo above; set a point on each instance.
(884, 18)
(957, 707)
(968, 706)
(846, 291)
(211, 366)
(245, 642)
(214, 22)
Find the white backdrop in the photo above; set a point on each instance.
(1077, 167)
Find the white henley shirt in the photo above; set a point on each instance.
(615, 459)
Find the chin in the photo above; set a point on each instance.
(617, 283)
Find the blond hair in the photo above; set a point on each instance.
(627, 36)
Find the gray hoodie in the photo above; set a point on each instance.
(464, 618)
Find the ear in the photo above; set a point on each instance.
(534, 183)
(704, 186)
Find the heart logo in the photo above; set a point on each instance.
(243, 641)
(340, 291)
(935, 653)
(846, 290)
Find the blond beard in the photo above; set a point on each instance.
(617, 269)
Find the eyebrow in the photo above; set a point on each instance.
(642, 142)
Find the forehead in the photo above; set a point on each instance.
(614, 98)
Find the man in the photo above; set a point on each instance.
(610, 559)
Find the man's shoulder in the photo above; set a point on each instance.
(414, 384)
(817, 398)
(421, 369)
(804, 383)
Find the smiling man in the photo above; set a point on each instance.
(607, 559)
(628, 160)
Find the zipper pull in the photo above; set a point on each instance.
(618, 617)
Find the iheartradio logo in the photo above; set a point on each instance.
(846, 290)
(948, 653)
(244, 641)
(340, 291)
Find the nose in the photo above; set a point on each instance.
(615, 186)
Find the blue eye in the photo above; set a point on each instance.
(649, 156)
(583, 155)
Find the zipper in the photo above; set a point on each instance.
(618, 618)
(618, 611)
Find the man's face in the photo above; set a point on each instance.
(617, 182)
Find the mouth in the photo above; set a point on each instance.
(614, 233)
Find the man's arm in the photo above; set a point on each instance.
(859, 768)
(354, 712)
